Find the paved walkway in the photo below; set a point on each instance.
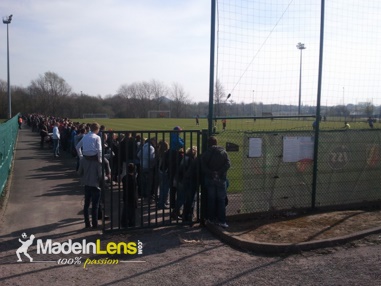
(45, 196)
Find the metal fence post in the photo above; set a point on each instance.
(204, 146)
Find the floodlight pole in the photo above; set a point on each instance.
(211, 66)
(7, 20)
(301, 47)
(253, 104)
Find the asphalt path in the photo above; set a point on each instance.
(45, 196)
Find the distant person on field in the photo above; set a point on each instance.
(314, 124)
(224, 124)
(370, 122)
(197, 120)
(346, 125)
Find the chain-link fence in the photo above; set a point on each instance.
(274, 171)
(8, 131)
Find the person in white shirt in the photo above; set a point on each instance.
(89, 150)
(90, 145)
(147, 156)
(56, 140)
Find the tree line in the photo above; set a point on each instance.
(50, 94)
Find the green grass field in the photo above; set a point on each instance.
(132, 124)
(238, 124)
(231, 135)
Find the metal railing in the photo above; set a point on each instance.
(141, 192)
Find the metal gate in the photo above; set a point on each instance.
(148, 181)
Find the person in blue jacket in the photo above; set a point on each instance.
(176, 142)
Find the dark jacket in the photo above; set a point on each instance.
(130, 194)
(215, 163)
(188, 169)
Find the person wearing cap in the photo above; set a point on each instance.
(176, 142)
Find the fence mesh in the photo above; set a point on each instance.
(273, 170)
(268, 54)
(8, 131)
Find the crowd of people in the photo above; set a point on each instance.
(161, 174)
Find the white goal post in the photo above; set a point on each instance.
(159, 114)
(95, 115)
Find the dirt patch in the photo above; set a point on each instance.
(296, 229)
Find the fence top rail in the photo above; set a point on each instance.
(264, 117)
(154, 131)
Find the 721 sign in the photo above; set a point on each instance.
(338, 157)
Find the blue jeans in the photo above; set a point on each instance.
(93, 195)
(56, 147)
(164, 189)
(216, 194)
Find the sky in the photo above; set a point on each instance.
(99, 45)
(258, 60)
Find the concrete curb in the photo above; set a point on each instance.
(279, 248)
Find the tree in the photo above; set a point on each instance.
(219, 95)
(21, 101)
(369, 108)
(3, 99)
(159, 92)
(49, 90)
(179, 100)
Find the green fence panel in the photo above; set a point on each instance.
(349, 168)
(8, 135)
(274, 170)
(276, 183)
